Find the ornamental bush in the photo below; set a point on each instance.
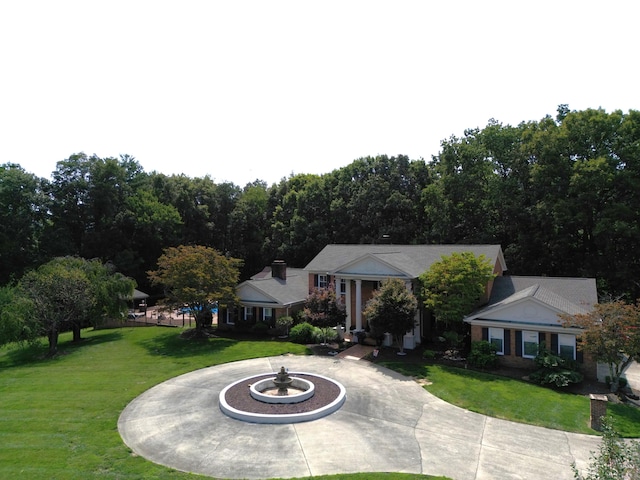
(303, 333)
(554, 370)
(483, 355)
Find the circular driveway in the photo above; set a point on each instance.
(388, 423)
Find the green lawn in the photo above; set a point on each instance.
(516, 400)
(59, 416)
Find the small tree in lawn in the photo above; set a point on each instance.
(392, 309)
(197, 276)
(67, 292)
(611, 335)
(453, 287)
(324, 309)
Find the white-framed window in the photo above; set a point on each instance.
(496, 338)
(247, 313)
(343, 286)
(567, 346)
(529, 344)
(267, 314)
(323, 281)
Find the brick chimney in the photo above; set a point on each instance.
(279, 269)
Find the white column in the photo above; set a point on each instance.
(347, 302)
(358, 304)
(416, 320)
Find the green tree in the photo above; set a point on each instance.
(611, 334)
(23, 216)
(615, 460)
(15, 324)
(392, 309)
(198, 277)
(65, 292)
(454, 286)
(108, 290)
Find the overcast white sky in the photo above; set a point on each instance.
(245, 90)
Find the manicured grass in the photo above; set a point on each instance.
(516, 400)
(58, 417)
(374, 476)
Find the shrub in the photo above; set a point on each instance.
(483, 355)
(284, 323)
(260, 328)
(554, 370)
(325, 334)
(453, 339)
(429, 355)
(303, 333)
(615, 458)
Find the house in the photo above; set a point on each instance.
(517, 313)
(358, 270)
(355, 271)
(276, 291)
(523, 312)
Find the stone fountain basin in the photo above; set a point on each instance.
(317, 406)
(299, 391)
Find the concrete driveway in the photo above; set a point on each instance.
(388, 423)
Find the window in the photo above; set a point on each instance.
(567, 346)
(343, 286)
(496, 338)
(529, 344)
(247, 313)
(267, 314)
(322, 281)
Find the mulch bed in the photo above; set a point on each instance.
(239, 397)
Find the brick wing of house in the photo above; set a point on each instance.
(274, 292)
(523, 312)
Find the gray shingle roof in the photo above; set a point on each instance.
(566, 294)
(411, 259)
(294, 289)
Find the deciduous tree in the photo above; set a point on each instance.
(611, 335)
(198, 277)
(323, 308)
(454, 286)
(392, 309)
(66, 292)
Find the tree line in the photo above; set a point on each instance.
(560, 194)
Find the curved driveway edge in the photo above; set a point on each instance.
(388, 423)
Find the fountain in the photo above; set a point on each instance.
(285, 398)
(283, 381)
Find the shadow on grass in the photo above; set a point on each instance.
(37, 353)
(172, 344)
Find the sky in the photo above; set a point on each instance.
(262, 90)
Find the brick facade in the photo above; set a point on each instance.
(588, 367)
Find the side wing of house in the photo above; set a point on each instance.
(272, 293)
(521, 322)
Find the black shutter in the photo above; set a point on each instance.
(315, 281)
(542, 338)
(518, 343)
(485, 334)
(507, 342)
(554, 343)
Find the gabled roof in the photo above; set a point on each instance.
(411, 259)
(265, 289)
(562, 294)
